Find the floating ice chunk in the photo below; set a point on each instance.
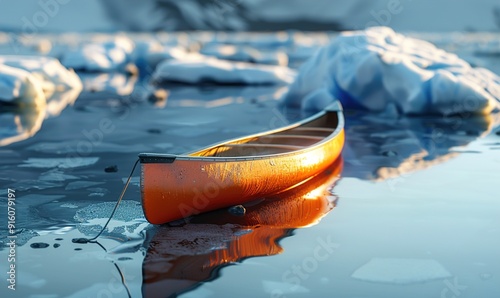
(201, 69)
(62, 163)
(378, 68)
(112, 55)
(401, 271)
(19, 87)
(53, 75)
(244, 54)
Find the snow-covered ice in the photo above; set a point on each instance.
(380, 70)
(38, 87)
(244, 54)
(110, 55)
(19, 87)
(50, 72)
(196, 69)
(401, 271)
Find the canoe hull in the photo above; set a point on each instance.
(241, 170)
(186, 187)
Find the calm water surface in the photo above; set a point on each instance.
(411, 210)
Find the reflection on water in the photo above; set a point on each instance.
(216, 96)
(17, 124)
(113, 83)
(179, 258)
(380, 148)
(20, 123)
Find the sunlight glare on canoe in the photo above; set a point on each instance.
(310, 160)
(314, 194)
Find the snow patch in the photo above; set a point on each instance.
(19, 87)
(110, 55)
(49, 71)
(244, 54)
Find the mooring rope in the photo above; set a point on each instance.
(86, 240)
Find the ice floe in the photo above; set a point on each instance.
(199, 69)
(244, 54)
(52, 75)
(19, 87)
(37, 87)
(105, 56)
(380, 70)
(401, 271)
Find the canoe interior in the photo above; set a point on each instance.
(296, 138)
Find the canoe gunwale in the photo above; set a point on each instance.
(333, 108)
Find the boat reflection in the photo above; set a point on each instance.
(179, 258)
(380, 148)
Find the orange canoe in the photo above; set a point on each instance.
(240, 170)
(180, 258)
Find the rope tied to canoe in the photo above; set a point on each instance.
(86, 240)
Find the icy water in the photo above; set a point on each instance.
(411, 210)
